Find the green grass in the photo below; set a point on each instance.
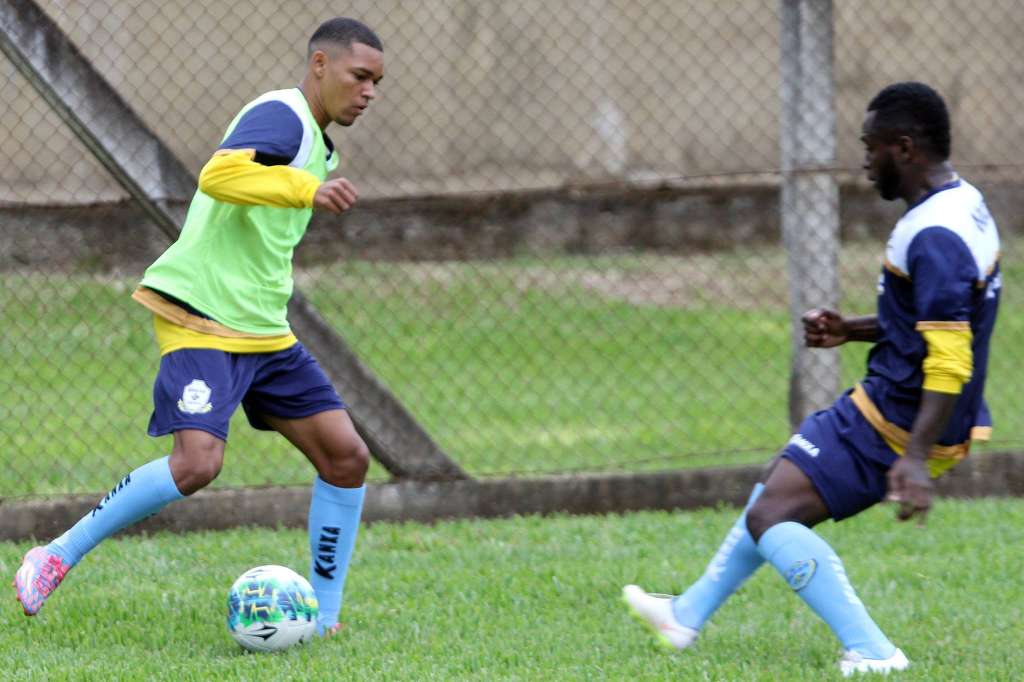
(529, 365)
(533, 599)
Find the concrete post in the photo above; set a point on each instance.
(810, 197)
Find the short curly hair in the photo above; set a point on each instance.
(342, 32)
(916, 110)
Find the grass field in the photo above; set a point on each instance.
(533, 599)
(627, 362)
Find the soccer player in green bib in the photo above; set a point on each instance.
(219, 296)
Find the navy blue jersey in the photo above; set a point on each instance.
(941, 271)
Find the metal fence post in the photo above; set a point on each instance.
(810, 197)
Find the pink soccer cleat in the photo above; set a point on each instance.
(39, 575)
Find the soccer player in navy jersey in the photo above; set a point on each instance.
(219, 297)
(913, 416)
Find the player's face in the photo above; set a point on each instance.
(350, 82)
(880, 161)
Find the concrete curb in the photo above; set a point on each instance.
(990, 475)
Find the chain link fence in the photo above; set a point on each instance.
(568, 254)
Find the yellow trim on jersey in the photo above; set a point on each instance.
(980, 284)
(940, 457)
(171, 337)
(981, 433)
(176, 328)
(895, 270)
(992, 268)
(233, 177)
(159, 305)
(950, 361)
(943, 325)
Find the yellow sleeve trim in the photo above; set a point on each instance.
(981, 433)
(942, 324)
(233, 177)
(950, 362)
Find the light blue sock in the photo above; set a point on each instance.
(141, 493)
(735, 561)
(815, 573)
(333, 524)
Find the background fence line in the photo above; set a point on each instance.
(630, 311)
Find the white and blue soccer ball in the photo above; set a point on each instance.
(271, 608)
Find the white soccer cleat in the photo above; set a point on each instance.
(656, 611)
(852, 663)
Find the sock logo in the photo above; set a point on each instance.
(717, 565)
(844, 582)
(109, 496)
(805, 445)
(323, 563)
(800, 573)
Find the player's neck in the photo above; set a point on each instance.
(312, 96)
(934, 177)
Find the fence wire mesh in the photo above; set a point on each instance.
(568, 254)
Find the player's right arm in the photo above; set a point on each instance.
(252, 166)
(824, 328)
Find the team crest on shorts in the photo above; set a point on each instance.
(195, 398)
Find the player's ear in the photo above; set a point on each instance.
(905, 148)
(318, 63)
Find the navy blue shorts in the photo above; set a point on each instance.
(199, 388)
(843, 455)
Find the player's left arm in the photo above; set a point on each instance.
(944, 274)
(235, 177)
(253, 165)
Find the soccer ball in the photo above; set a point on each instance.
(271, 608)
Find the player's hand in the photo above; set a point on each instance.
(911, 488)
(824, 328)
(335, 195)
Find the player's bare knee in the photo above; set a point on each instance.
(357, 460)
(196, 463)
(775, 507)
(206, 470)
(196, 476)
(761, 517)
(346, 465)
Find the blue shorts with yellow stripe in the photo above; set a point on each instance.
(200, 388)
(844, 456)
